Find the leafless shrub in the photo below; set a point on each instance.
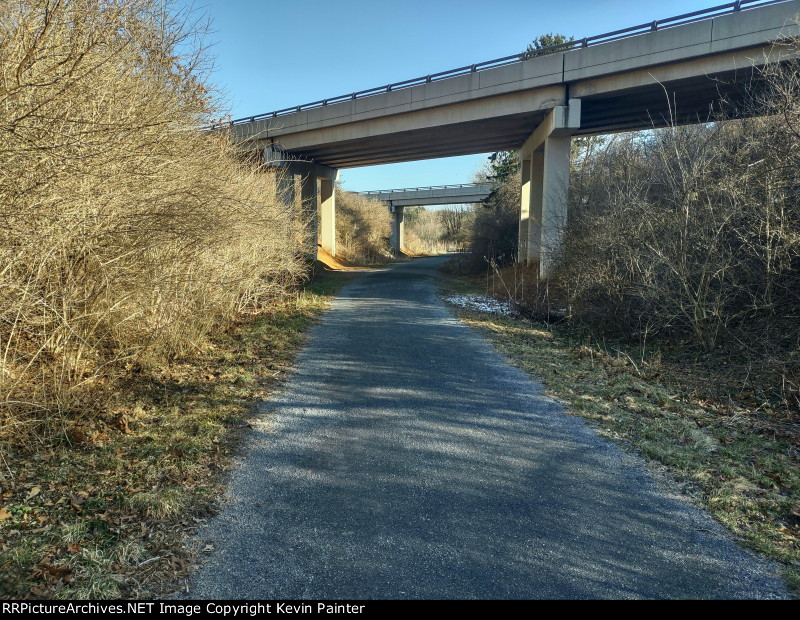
(700, 237)
(495, 225)
(695, 231)
(456, 224)
(363, 226)
(423, 231)
(125, 233)
(433, 231)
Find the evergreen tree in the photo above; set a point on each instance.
(503, 164)
(548, 40)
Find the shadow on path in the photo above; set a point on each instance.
(406, 459)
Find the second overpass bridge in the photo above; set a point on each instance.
(398, 199)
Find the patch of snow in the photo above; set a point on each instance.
(482, 304)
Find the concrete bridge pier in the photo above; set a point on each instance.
(327, 213)
(545, 185)
(308, 202)
(316, 186)
(397, 239)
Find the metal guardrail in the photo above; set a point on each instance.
(661, 24)
(421, 189)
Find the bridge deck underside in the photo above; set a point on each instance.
(481, 136)
(692, 100)
(689, 100)
(442, 200)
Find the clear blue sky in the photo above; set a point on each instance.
(272, 54)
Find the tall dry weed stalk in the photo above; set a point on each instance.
(124, 231)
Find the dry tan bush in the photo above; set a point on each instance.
(124, 231)
(414, 245)
(363, 226)
(689, 229)
(457, 223)
(423, 231)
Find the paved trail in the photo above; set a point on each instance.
(406, 459)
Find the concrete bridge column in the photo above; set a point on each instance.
(398, 230)
(534, 244)
(524, 210)
(327, 214)
(317, 191)
(308, 199)
(555, 188)
(530, 226)
(545, 186)
(285, 185)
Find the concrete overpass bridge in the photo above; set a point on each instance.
(674, 70)
(398, 199)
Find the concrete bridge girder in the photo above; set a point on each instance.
(437, 195)
(624, 84)
(432, 202)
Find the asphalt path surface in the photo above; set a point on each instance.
(406, 459)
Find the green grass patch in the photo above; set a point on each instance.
(741, 463)
(104, 512)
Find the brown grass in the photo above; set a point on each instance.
(107, 515)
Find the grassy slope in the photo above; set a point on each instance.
(741, 464)
(104, 514)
